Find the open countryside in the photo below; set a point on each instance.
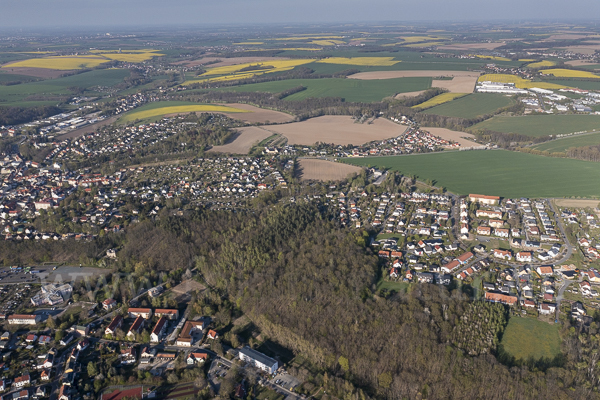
(540, 125)
(160, 109)
(337, 130)
(498, 172)
(563, 144)
(471, 106)
(348, 89)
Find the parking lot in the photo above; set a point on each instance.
(285, 381)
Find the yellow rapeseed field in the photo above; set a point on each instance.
(569, 73)
(60, 63)
(519, 82)
(309, 37)
(130, 57)
(248, 43)
(527, 59)
(157, 112)
(440, 99)
(495, 58)
(327, 42)
(364, 61)
(540, 64)
(414, 39)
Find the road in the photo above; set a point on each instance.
(559, 223)
(559, 296)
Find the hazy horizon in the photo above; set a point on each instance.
(65, 14)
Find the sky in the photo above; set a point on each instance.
(130, 13)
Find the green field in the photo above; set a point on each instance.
(563, 144)
(471, 106)
(577, 83)
(395, 286)
(526, 338)
(541, 125)
(353, 90)
(497, 172)
(44, 91)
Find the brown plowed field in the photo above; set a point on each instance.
(323, 170)
(458, 84)
(337, 129)
(243, 142)
(454, 136)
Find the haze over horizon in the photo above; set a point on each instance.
(29, 14)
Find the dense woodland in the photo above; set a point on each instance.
(309, 284)
(20, 115)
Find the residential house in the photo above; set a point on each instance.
(21, 381)
(136, 327)
(524, 256)
(109, 304)
(158, 330)
(500, 298)
(116, 323)
(545, 270)
(197, 358)
(547, 308)
(484, 230)
(143, 312)
(167, 313)
(212, 334)
(186, 337)
(503, 254)
(23, 319)
(464, 258)
(483, 199)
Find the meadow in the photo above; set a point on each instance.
(540, 125)
(496, 172)
(352, 90)
(526, 338)
(162, 108)
(563, 144)
(471, 106)
(439, 99)
(50, 88)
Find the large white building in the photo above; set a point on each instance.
(19, 319)
(499, 87)
(258, 360)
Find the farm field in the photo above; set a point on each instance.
(337, 129)
(48, 90)
(563, 144)
(364, 61)
(577, 83)
(569, 73)
(540, 64)
(455, 136)
(458, 84)
(497, 172)
(61, 63)
(526, 338)
(439, 99)
(259, 115)
(243, 142)
(349, 89)
(411, 74)
(471, 106)
(163, 108)
(323, 170)
(540, 125)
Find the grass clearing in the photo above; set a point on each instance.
(352, 90)
(399, 287)
(471, 106)
(563, 144)
(496, 172)
(526, 338)
(540, 125)
(439, 99)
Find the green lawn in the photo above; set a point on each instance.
(527, 337)
(353, 90)
(41, 90)
(541, 125)
(471, 106)
(561, 145)
(395, 286)
(497, 172)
